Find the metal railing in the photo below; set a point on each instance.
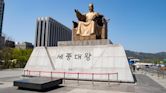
(28, 73)
(154, 71)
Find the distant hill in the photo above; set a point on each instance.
(146, 57)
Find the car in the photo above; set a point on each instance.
(146, 66)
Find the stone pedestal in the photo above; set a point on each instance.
(85, 42)
(99, 62)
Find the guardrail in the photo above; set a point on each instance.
(28, 72)
(154, 71)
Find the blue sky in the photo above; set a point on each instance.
(138, 25)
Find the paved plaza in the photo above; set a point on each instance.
(144, 84)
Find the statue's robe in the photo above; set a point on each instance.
(87, 28)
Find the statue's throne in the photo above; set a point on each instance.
(100, 32)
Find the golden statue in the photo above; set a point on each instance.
(90, 26)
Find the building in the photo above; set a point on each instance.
(50, 31)
(24, 45)
(9, 43)
(2, 42)
(2, 39)
(2, 5)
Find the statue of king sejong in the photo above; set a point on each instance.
(90, 24)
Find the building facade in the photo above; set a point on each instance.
(50, 31)
(2, 5)
(2, 39)
(24, 45)
(10, 43)
(2, 42)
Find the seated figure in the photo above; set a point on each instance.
(90, 26)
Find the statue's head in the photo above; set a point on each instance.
(91, 7)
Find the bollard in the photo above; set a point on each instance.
(51, 75)
(78, 78)
(108, 79)
(158, 73)
(163, 74)
(39, 73)
(29, 73)
(64, 78)
(117, 76)
(24, 72)
(92, 78)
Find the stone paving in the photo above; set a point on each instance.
(160, 79)
(147, 85)
(144, 84)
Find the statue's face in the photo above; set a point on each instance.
(91, 8)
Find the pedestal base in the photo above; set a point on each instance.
(99, 62)
(38, 83)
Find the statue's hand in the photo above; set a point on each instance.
(76, 10)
